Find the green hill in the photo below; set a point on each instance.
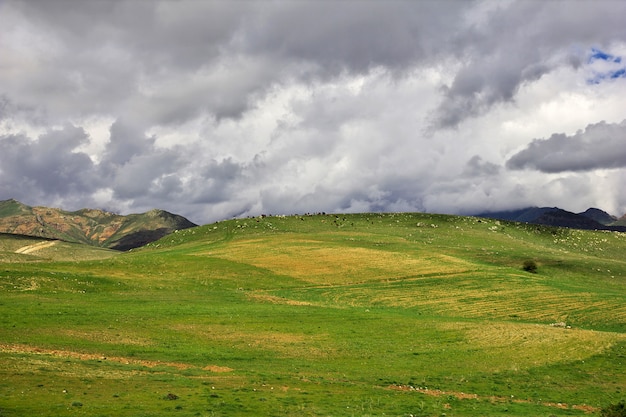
(363, 314)
(18, 248)
(93, 227)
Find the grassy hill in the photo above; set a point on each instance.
(364, 314)
(93, 227)
(18, 248)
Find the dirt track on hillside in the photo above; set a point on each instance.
(35, 247)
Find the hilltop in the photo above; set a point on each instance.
(89, 226)
(104, 229)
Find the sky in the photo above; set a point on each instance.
(222, 109)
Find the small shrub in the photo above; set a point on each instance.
(614, 410)
(530, 266)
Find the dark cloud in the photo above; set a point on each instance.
(599, 146)
(135, 167)
(218, 181)
(348, 35)
(49, 166)
(475, 89)
(146, 174)
(125, 142)
(52, 166)
(479, 86)
(176, 59)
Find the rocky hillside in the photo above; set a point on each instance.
(94, 227)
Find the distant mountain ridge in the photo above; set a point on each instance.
(590, 219)
(90, 226)
(113, 231)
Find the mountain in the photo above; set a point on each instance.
(563, 218)
(591, 219)
(600, 216)
(90, 226)
(525, 215)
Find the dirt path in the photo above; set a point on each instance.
(37, 246)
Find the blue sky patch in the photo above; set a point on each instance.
(619, 73)
(599, 54)
(607, 66)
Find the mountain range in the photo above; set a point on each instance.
(590, 219)
(89, 226)
(104, 229)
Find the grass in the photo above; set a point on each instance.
(24, 249)
(364, 314)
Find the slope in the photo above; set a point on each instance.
(362, 314)
(18, 248)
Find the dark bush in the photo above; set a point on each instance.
(530, 266)
(614, 410)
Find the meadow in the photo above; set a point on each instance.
(402, 314)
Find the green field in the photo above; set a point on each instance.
(320, 315)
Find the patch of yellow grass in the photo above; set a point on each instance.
(488, 295)
(277, 300)
(84, 356)
(51, 363)
(517, 345)
(319, 262)
(108, 337)
(292, 345)
(217, 369)
(32, 363)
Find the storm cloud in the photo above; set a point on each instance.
(218, 109)
(47, 165)
(599, 146)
